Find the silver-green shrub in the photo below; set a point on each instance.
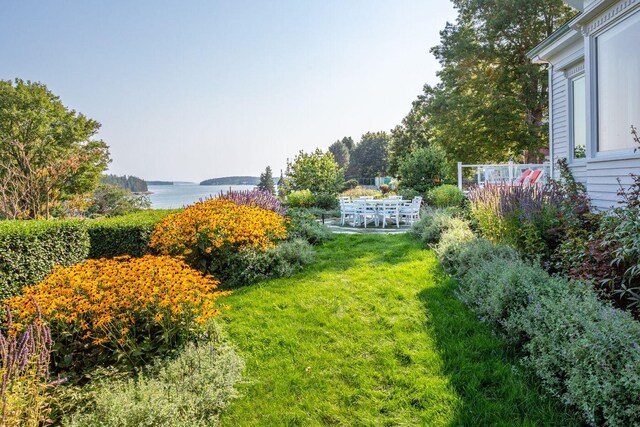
(585, 351)
(190, 390)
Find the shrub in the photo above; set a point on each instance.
(348, 185)
(361, 192)
(409, 193)
(424, 169)
(24, 373)
(456, 234)
(207, 233)
(256, 198)
(432, 223)
(30, 249)
(303, 225)
(123, 235)
(384, 189)
(249, 266)
(301, 199)
(584, 351)
(523, 217)
(111, 200)
(190, 390)
(445, 196)
(326, 201)
(119, 311)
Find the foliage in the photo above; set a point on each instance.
(30, 249)
(445, 196)
(326, 201)
(122, 311)
(207, 233)
(301, 199)
(123, 235)
(370, 158)
(317, 172)
(340, 153)
(303, 225)
(24, 373)
(376, 311)
(408, 193)
(190, 390)
(361, 192)
(266, 181)
(349, 184)
(249, 265)
(491, 102)
(256, 198)
(434, 222)
(424, 168)
(131, 183)
(411, 134)
(111, 200)
(523, 217)
(54, 159)
(584, 351)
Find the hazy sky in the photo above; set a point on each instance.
(188, 90)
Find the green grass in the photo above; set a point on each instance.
(373, 335)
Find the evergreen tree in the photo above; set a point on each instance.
(340, 153)
(266, 181)
(370, 158)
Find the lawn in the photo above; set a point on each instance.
(372, 334)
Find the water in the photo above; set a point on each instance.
(180, 195)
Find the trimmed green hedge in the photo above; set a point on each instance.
(123, 235)
(30, 249)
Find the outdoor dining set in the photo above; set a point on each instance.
(362, 211)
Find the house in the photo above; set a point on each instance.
(594, 94)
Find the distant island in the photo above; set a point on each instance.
(232, 180)
(131, 183)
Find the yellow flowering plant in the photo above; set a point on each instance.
(207, 233)
(120, 311)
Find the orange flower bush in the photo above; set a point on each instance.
(208, 232)
(136, 307)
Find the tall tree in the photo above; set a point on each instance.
(340, 153)
(266, 181)
(411, 134)
(316, 171)
(348, 142)
(46, 150)
(491, 103)
(370, 158)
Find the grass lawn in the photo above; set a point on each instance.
(373, 335)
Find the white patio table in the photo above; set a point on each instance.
(367, 210)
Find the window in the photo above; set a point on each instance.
(618, 68)
(578, 117)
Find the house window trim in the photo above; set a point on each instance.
(593, 105)
(572, 74)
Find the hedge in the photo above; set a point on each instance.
(584, 351)
(29, 250)
(123, 235)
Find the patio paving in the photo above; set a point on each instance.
(334, 225)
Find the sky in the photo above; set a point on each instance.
(190, 90)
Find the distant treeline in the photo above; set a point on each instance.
(131, 183)
(232, 180)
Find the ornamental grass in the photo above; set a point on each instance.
(121, 311)
(206, 232)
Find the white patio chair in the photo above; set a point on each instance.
(347, 209)
(390, 209)
(365, 210)
(394, 198)
(410, 212)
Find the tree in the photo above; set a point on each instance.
(370, 157)
(316, 171)
(411, 134)
(424, 168)
(113, 200)
(348, 142)
(131, 183)
(340, 153)
(46, 151)
(266, 181)
(491, 102)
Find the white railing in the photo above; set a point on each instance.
(498, 173)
